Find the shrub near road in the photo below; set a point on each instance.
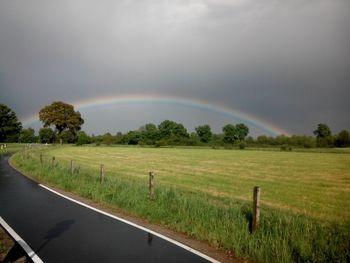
(206, 194)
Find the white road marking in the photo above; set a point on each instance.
(20, 241)
(135, 225)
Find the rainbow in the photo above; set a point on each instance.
(235, 114)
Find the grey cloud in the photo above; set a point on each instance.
(286, 62)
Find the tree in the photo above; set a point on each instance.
(172, 132)
(27, 136)
(234, 133)
(107, 138)
(262, 140)
(149, 133)
(242, 131)
(230, 133)
(62, 116)
(10, 127)
(343, 139)
(323, 135)
(322, 131)
(83, 138)
(119, 138)
(68, 136)
(133, 137)
(46, 135)
(204, 133)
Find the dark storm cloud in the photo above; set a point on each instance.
(284, 61)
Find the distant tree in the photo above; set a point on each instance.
(134, 138)
(302, 141)
(119, 138)
(149, 133)
(10, 127)
(83, 138)
(262, 140)
(62, 116)
(204, 133)
(217, 140)
(233, 133)
(322, 131)
(323, 135)
(27, 136)
(282, 139)
(242, 131)
(69, 136)
(343, 139)
(172, 132)
(107, 138)
(46, 135)
(193, 140)
(230, 133)
(250, 140)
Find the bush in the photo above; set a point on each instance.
(242, 145)
(286, 147)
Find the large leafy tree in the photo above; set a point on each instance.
(10, 127)
(204, 133)
(62, 116)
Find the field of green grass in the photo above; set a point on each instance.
(207, 193)
(317, 184)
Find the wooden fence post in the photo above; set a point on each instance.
(256, 208)
(53, 161)
(102, 173)
(71, 167)
(41, 159)
(151, 185)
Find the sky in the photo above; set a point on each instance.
(279, 66)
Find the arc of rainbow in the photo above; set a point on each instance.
(173, 100)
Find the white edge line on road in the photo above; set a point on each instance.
(34, 257)
(135, 225)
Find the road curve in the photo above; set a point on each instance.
(59, 230)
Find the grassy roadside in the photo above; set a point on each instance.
(6, 243)
(222, 221)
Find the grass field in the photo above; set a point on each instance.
(207, 194)
(316, 184)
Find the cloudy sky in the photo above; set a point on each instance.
(285, 63)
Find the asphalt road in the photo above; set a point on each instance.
(59, 230)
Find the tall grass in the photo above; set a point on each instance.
(223, 222)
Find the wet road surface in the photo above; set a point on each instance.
(59, 230)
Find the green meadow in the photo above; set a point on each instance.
(207, 193)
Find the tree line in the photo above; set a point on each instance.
(61, 123)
